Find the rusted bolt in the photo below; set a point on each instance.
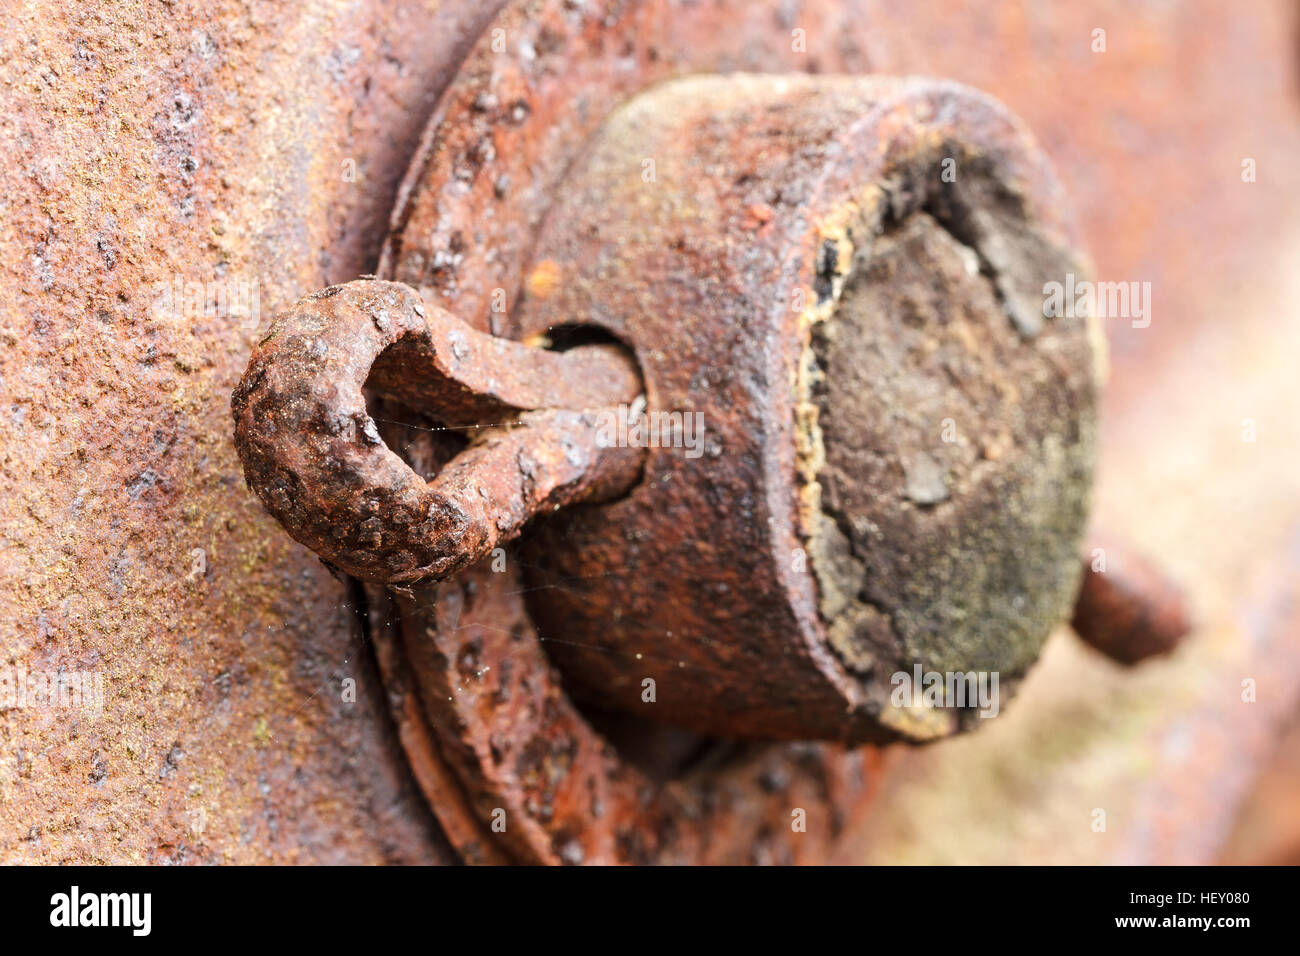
(896, 446)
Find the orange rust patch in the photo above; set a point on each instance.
(543, 280)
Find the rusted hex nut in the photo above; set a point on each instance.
(313, 455)
(1127, 608)
(840, 279)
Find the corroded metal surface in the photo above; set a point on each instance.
(261, 141)
(213, 144)
(543, 786)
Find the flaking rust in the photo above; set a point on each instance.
(836, 536)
